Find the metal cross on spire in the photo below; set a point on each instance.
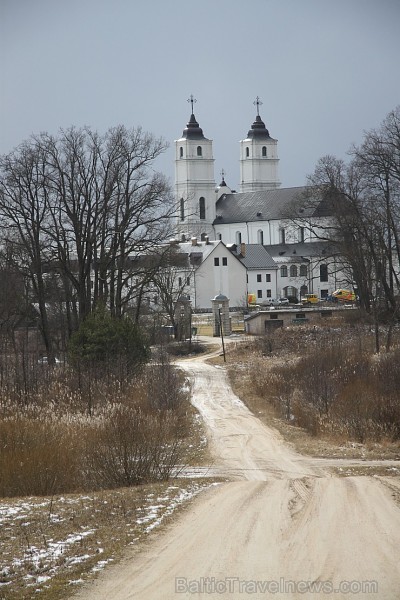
(223, 174)
(192, 100)
(257, 102)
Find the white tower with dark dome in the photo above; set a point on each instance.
(194, 181)
(258, 158)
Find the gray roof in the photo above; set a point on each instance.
(256, 257)
(267, 205)
(302, 249)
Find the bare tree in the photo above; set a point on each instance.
(85, 208)
(24, 205)
(172, 281)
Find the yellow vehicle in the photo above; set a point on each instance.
(344, 295)
(310, 299)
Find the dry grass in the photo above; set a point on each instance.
(50, 545)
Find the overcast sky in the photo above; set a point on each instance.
(325, 70)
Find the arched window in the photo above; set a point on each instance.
(283, 271)
(264, 151)
(203, 237)
(260, 237)
(182, 209)
(202, 208)
(323, 273)
(219, 236)
(181, 152)
(199, 151)
(238, 238)
(303, 270)
(293, 271)
(247, 152)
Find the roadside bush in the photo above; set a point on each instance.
(134, 446)
(330, 381)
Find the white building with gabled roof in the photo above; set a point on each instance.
(213, 270)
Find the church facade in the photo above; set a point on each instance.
(262, 214)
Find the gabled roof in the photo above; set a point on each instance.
(267, 205)
(198, 253)
(256, 257)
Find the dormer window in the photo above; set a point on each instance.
(264, 151)
(199, 151)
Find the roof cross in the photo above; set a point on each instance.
(257, 103)
(192, 100)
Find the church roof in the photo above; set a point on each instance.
(193, 131)
(295, 252)
(263, 205)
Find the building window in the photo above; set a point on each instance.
(187, 280)
(258, 277)
(202, 208)
(182, 209)
(180, 281)
(216, 262)
(219, 236)
(269, 293)
(181, 152)
(260, 237)
(264, 151)
(301, 234)
(268, 277)
(282, 236)
(259, 293)
(199, 151)
(293, 271)
(284, 271)
(303, 270)
(203, 237)
(324, 293)
(247, 152)
(323, 273)
(224, 261)
(238, 238)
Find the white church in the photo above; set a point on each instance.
(245, 244)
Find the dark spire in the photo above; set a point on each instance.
(192, 131)
(258, 129)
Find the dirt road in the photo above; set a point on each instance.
(284, 527)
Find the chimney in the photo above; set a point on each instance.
(194, 241)
(243, 249)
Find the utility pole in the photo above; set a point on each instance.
(222, 335)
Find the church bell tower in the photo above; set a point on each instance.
(194, 181)
(258, 158)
